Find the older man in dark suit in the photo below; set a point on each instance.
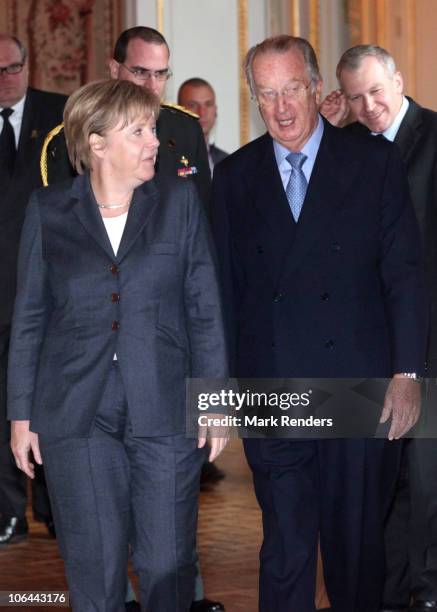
(372, 89)
(26, 115)
(321, 268)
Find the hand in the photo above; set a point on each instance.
(22, 442)
(402, 403)
(335, 108)
(218, 435)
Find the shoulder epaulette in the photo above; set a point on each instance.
(43, 158)
(179, 108)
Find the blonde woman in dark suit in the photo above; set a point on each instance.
(117, 304)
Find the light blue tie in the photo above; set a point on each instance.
(297, 184)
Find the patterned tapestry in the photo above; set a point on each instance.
(69, 41)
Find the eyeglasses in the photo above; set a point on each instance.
(12, 68)
(144, 74)
(267, 97)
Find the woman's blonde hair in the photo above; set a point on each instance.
(99, 107)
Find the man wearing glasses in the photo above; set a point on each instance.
(141, 55)
(26, 114)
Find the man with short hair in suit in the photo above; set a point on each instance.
(198, 96)
(372, 89)
(26, 114)
(320, 260)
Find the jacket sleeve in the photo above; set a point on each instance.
(401, 269)
(203, 305)
(230, 273)
(30, 316)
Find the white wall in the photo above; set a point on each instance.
(204, 43)
(258, 29)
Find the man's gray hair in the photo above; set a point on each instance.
(353, 58)
(282, 44)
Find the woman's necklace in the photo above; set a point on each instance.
(113, 206)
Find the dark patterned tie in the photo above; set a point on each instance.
(7, 144)
(297, 184)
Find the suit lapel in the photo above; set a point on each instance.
(88, 214)
(144, 202)
(409, 131)
(331, 176)
(268, 193)
(28, 140)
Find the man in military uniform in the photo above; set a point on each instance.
(141, 55)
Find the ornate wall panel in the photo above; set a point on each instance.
(69, 41)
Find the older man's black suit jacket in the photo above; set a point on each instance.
(340, 294)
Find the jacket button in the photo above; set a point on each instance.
(115, 325)
(335, 247)
(329, 344)
(114, 269)
(115, 297)
(324, 296)
(278, 297)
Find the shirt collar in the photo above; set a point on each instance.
(390, 133)
(310, 148)
(18, 109)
